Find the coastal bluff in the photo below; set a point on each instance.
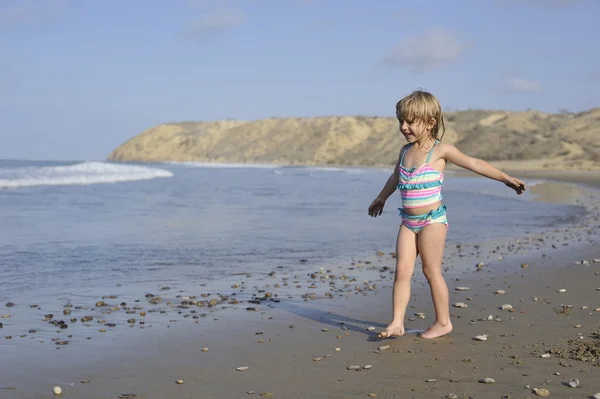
(525, 139)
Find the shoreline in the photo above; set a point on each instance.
(290, 350)
(289, 354)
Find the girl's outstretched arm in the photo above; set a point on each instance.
(481, 167)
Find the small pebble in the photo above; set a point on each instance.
(462, 288)
(368, 366)
(500, 292)
(179, 382)
(242, 368)
(506, 307)
(371, 328)
(353, 368)
(204, 349)
(541, 391)
(431, 380)
(57, 390)
(546, 355)
(481, 337)
(596, 396)
(574, 383)
(451, 396)
(562, 290)
(487, 380)
(460, 305)
(383, 347)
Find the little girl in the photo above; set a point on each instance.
(418, 176)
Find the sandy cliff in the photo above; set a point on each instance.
(521, 140)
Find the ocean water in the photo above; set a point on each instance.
(72, 230)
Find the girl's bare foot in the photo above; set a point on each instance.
(437, 330)
(392, 331)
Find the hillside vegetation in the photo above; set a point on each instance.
(529, 138)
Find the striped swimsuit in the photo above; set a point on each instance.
(421, 187)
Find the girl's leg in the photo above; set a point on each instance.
(406, 255)
(431, 242)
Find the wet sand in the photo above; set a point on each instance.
(290, 346)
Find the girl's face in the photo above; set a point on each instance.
(415, 130)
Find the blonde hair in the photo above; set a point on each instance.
(423, 106)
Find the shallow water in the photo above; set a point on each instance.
(83, 229)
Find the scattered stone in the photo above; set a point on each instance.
(462, 288)
(500, 292)
(460, 305)
(481, 337)
(524, 265)
(562, 290)
(57, 390)
(541, 391)
(317, 359)
(204, 349)
(490, 318)
(242, 368)
(546, 355)
(487, 380)
(597, 395)
(383, 347)
(337, 349)
(431, 380)
(574, 383)
(451, 396)
(10, 305)
(371, 328)
(179, 382)
(368, 366)
(353, 368)
(127, 396)
(506, 307)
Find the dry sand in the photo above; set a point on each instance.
(290, 347)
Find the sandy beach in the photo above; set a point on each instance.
(320, 340)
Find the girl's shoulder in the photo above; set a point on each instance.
(444, 147)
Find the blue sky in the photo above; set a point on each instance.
(80, 77)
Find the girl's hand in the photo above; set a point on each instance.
(515, 184)
(376, 207)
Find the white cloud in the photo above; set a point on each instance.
(13, 12)
(434, 48)
(518, 85)
(215, 22)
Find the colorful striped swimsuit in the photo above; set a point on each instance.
(421, 187)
